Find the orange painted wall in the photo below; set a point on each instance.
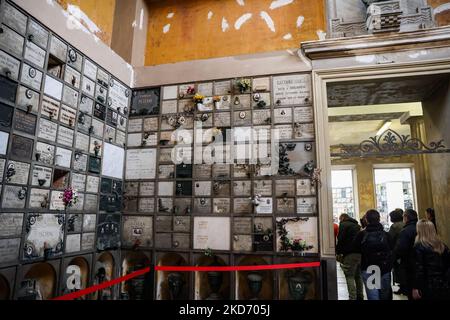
(192, 36)
(100, 12)
(442, 18)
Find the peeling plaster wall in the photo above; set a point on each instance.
(182, 30)
(442, 11)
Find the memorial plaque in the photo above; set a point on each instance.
(205, 89)
(75, 59)
(292, 89)
(90, 69)
(285, 205)
(242, 188)
(25, 122)
(6, 114)
(181, 241)
(184, 105)
(261, 84)
(150, 139)
(86, 105)
(122, 123)
(165, 205)
(11, 41)
(298, 156)
(261, 100)
(17, 172)
(47, 130)
(27, 99)
(87, 241)
(50, 108)
(242, 226)
(261, 117)
(282, 115)
(41, 176)
(9, 249)
(165, 188)
(89, 221)
(11, 224)
(285, 131)
(221, 205)
(242, 242)
(63, 157)
(2, 169)
(241, 101)
(45, 153)
(111, 117)
(202, 171)
(306, 205)
(183, 188)
(110, 203)
(304, 228)
(304, 131)
(131, 189)
(21, 147)
(303, 114)
(34, 54)
(110, 134)
(184, 170)
(94, 164)
(37, 34)
(78, 206)
(70, 97)
(212, 232)
(82, 142)
(9, 67)
(74, 223)
(88, 86)
(163, 240)
(265, 206)
(14, 197)
(13, 17)
(146, 189)
(135, 125)
(102, 78)
(65, 136)
(222, 102)
(106, 185)
(90, 203)
(150, 124)
(100, 111)
(119, 97)
(73, 77)
(134, 140)
(222, 87)
(31, 77)
(58, 48)
(170, 92)
(163, 224)
(108, 231)
(304, 187)
(202, 205)
(242, 118)
(92, 184)
(184, 88)
(241, 171)
(120, 138)
(169, 106)
(39, 199)
(146, 205)
(141, 164)
(262, 187)
(285, 188)
(181, 224)
(242, 205)
(78, 182)
(53, 88)
(80, 162)
(202, 188)
(165, 155)
(73, 243)
(137, 230)
(263, 236)
(97, 128)
(100, 94)
(166, 171)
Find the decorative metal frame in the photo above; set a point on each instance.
(391, 143)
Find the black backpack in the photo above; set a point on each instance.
(376, 250)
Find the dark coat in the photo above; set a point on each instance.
(404, 251)
(348, 229)
(395, 229)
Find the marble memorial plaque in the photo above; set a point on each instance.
(222, 88)
(11, 224)
(146, 205)
(222, 102)
(70, 97)
(134, 140)
(146, 189)
(212, 232)
(86, 105)
(137, 229)
(13, 17)
(120, 138)
(166, 171)
(150, 139)
(169, 106)
(41, 176)
(31, 77)
(163, 240)
(261, 100)
(73, 243)
(14, 197)
(100, 93)
(74, 59)
(80, 162)
(165, 155)
(87, 241)
(285, 131)
(88, 86)
(202, 171)
(135, 125)
(282, 115)
(261, 117)
(122, 123)
(97, 128)
(90, 69)
(242, 226)
(74, 223)
(221, 188)
(163, 224)
(241, 171)
(141, 164)
(34, 54)
(285, 188)
(298, 155)
(150, 124)
(242, 205)
(58, 48)
(221, 205)
(73, 77)
(165, 205)
(50, 107)
(170, 92)
(181, 224)
(8, 92)
(182, 206)
(144, 102)
(242, 188)
(292, 89)
(202, 205)
(39, 35)
(11, 41)
(262, 187)
(205, 89)
(306, 205)
(118, 96)
(90, 202)
(45, 153)
(242, 242)
(100, 111)
(305, 229)
(82, 142)
(25, 122)
(95, 146)
(202, 188)
(111, 117)
(39, 199)
(261, 84)
(304, 187)
(92, 183)
(63, 157)
(181, 241)
(17, 172)
(165, 188)
(47, 130)
(2, 168)
(78, 206)
(241, 101)
(304, 131)
(131, 189)
(27, 99)
(53, 88)
(89, 221)
(65, 136)
(9, 66)
(242, 118)
(78, 182)
(265, 206)
(303, 114)
(285, 205)
(56, 202)
(9, 248)
(21, 147)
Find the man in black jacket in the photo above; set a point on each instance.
(350, 262)
(404, 251)
(375, 246)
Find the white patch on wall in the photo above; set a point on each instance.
(113, 160)
(280, 3)
(241, 20)
(442, 8)
(141, 19)
(265, 16)
(166, 28)
(170, 15)
(225, 25)
(321, 34)
(210, 14)
(134, 24)
(78, 14)
(287, 36)
(240, 2)
(300, 21)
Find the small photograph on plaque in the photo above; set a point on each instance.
(202, 205)
(137, 230)
(282, 115)
(306, 205)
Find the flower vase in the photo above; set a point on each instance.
(254, 281)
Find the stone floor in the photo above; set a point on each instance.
(342, 286)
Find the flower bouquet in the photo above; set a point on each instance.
(198, 98)
(244, 85)
(69, 197)
(190, 91)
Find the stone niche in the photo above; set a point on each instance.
(349, 18)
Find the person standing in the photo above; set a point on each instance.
(375, 246)
(396, 217)
(351, 260)
(404, 252)
(432, 264)
(431, 216)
